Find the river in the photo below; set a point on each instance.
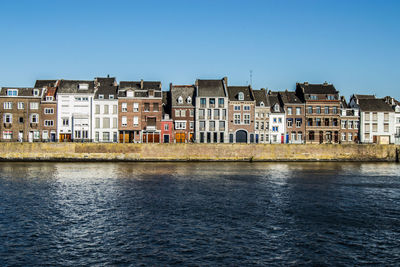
(236, 214)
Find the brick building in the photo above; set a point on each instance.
(322, 112)
(241, 114)
(262, 112)
(48, 109)
(295, 117)
(349, 123)
(183, 99)
(167, 125)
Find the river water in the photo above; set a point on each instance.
(236, 214)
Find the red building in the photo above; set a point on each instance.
(167, 125)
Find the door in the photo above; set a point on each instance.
(21, 136)
(166, 138)
(53, 137)
(241, 136)
(282, 138)
(321, 137)
(30, 137)
(180, 137)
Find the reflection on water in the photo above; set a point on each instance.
(199, 213)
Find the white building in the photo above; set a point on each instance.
(377, 119)
(396, 107)
(262, 114)
(105, 111)
(276, 121)
(74, 110)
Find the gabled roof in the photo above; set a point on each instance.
(233, 92)
(72, 86)
(365, 96)
(343, 103)
(274, 100)
(289, 98)
(261, 96)
(50, 91)
(376, 104)
(210, 88)
(45, 83)
(22, 91)
(184, 91)
(106, 91)
(137, 85)
(105, 81)
(166, 109)
(312, 89)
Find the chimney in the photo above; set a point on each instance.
(325, 83)
(108, 75)
(170, 86)
(141, 84)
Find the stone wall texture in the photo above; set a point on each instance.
(194, 152)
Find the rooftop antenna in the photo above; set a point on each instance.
(251, 78)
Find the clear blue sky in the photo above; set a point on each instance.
(353, 44)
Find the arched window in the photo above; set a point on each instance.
(189, 100)
(180, 100)
(241, 96)
(261, 104)
(276, 108)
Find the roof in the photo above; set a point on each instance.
(165, 102)
(72, 86)
(108, 81)
(273, 100)
(289, 98)
(233, 93)
(261, 96)
(45, 83)
(365, 96)
(210, 88)
(138, 85)
(106, 91)
(50, 91)
(184, 91)
(376, 104)
(324, 88)
(343, 103)
(22, 91)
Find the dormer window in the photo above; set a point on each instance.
(49, 98)
(276, 108)
(330, 97)
(35, 92)
(12, 92)
(180, 100)
(110, 96)
(241, 96)
(261, 104)
(189, 100)
(313, 97)
(101, 96)
(129, 93)
(83, 86)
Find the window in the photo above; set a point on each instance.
(201, 113)
(155, 107)
(262, 126)
(202, 125)
(124, 121)
(65, 121)
(274, 120)
(257, 125)
(386, 127)
(289, 123)
(311, 136)
(247, 108)
(356, 125)
(35, 92)
(49, 98)
(280, 120)
(343, 136)
(211, 125)
(344, 124)
(34, 118)
(293, 136)
(209, 111)
(189, 100)
(374, 116)
(334, 110)
(49, 111)
(97, 123)
(115, 123)
(166, 127)
(367, 127)
(276, 108)
(350, 125)
(191, 112)
(221, 102)
(183, 113)
(106, 136)
(191, 125)
(374, 127)
(7, 135)
(236, 108)
(310, 122)
(300, 136)
(330, 97)
(241, 96)
(110, 96)
(367, 116)
(318, 122)
(236, 118)
(180, 100)
(135, 120)
(261, 104)
(178, 113)
(313, 97)
(180, 125)
(129, 93)
(246, 118)
(216, 114)
(83, 86)
(146, 107)
(12, 92)
(101, 96)
(298, 123)
(7, 105)
(135, 107)
(221, 125)
(7, 118)
(350, 137)
(309, 110)
(124, 107)
(289, 111)
(48, 123)
(21, 105)
(115, 109)
(386, 116)
(211, 102)
(97, 109)
(318, 110)
(106, 123)
(223, 114)
(21, 119)
(298, 111)
(106, 109)
(96, 136)
(326, 110)
(203, 102)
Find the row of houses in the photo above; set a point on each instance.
(208, 111)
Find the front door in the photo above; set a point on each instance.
(53, 137)
(321, 137)
(241, 136)
(21, 136)
(30, 138)
(166, 138)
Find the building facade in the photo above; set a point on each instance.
(167, 124)
(322, 112)
(74, 107)
(349, 123)
(261, 118)
(211, 113)
(105, 111)
(241, 114)
(295, 117)
(183, 99)
(20, 111)
(277, 119)
(48, 108)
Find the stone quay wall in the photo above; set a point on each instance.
(195, 152)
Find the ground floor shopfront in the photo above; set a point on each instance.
(322, 137)
(139, 136)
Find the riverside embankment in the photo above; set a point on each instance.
(194, 152)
